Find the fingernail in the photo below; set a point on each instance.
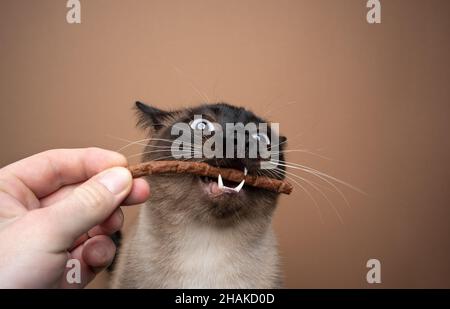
(116, 179)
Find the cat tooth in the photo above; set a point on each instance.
(245, 171)
(240, 185)
(221, 186)
(220, 182)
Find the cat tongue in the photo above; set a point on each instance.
(214, 187)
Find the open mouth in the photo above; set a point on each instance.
(218, 186)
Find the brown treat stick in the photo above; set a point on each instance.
(204, 169)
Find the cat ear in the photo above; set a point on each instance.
(149, 116)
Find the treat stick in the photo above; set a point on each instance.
(204, 169)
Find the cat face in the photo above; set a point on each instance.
(209, 199)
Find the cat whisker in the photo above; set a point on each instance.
(319, 191)
(303, 151)
(131, 143)
(185, 144)
(323, 179)
(296, 144)
(189, 151)
(318, 173)
(145, 152)
(191, 83)
(144, 142)
(316, 205)
(326, 178)
(287, 104)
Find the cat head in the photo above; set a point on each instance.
(221, 135)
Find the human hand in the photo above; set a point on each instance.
(60, 205)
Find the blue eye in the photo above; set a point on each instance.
(261, 137)
(202, 125)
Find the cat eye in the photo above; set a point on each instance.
(202, 125)
(261, 137)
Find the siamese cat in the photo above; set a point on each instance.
(194, 232)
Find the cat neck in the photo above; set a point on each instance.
(176, 227)
(200, 255)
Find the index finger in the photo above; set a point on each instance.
(46, 172)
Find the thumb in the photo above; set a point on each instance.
(89, 204)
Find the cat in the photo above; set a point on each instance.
(190, 234)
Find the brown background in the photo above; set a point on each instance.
(373, 98)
